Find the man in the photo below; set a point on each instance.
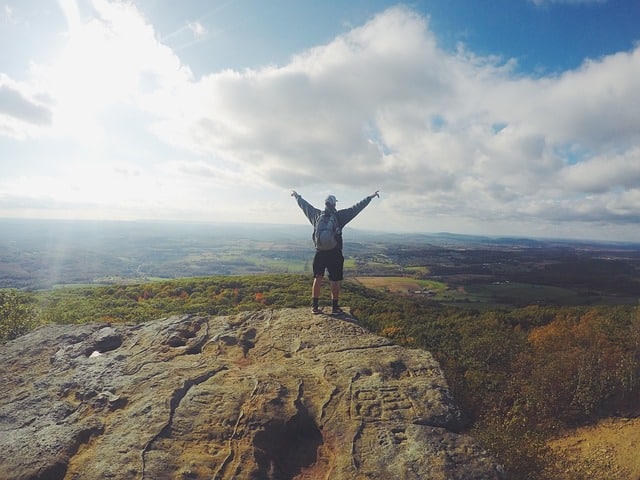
(330, 259)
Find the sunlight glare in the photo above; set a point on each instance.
(71, 13)
(101, 66)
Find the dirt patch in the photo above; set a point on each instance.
(606, 450)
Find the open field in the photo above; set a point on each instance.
(406, 285)
(488, 294)
(521, 294)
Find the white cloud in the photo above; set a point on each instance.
(197, 29)
(604, 173)
(71, 13)
(383, 106)
(7, 12)
(22, 110)
(201, 171)
(450, 139)
(106, 61)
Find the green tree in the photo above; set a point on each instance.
(17, 315)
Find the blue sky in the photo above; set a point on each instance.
(494, 117)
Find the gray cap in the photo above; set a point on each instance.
(330, 200)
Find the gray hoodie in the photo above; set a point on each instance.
(344, 216)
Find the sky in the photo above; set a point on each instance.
(488, 117)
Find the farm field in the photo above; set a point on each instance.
(521, 294)
(405, 285)
(488, 294)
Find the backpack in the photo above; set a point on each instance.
(327, 231)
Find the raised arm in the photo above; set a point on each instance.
(309, 210)
(348, 214)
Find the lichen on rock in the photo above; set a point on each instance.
(277, 395)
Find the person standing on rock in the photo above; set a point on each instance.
(327, 238)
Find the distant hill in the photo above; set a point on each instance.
(41, 254)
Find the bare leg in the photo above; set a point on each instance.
(317, 285)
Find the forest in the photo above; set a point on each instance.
(520, 374)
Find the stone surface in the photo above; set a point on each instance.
(265, 395)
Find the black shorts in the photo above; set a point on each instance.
(331, 260)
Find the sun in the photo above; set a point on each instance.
(100, 65)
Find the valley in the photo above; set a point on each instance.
(467, 271)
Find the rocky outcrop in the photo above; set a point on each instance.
(264, 395)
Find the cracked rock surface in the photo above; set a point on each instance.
(277, 395)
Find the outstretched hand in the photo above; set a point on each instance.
(376, 194)
(294, 193)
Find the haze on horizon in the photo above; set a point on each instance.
(520, 118)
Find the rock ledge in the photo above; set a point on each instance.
(264, 395)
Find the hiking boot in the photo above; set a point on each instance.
(337, 311)
(316, 310)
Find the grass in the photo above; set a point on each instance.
(401, 284)
(418, 270)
